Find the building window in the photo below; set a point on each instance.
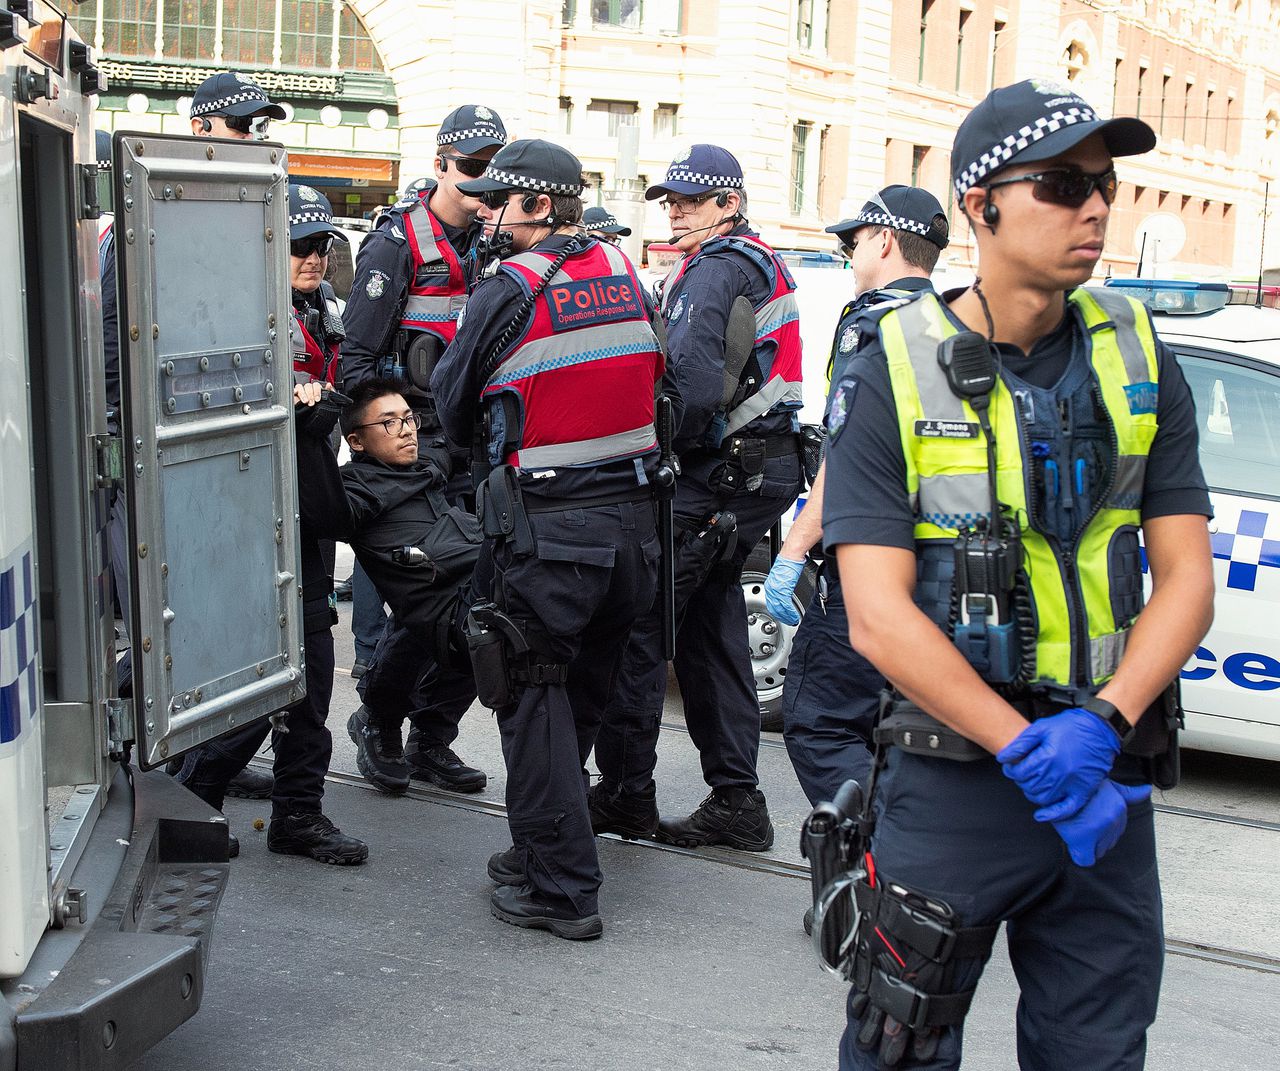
(1115, 86)
(1186, 109)
(1271, 125)
(566, 115)
(1164, 96)
(621, 13)
(799, 147)
(612, 115)
(1075, 58)
(664, 120)
(1208, 116)
(925, 7)
(919, 153)
(964, 19)
(306, 32)
(804, 23)
(822, 167)
(997, 41)
(190, 29)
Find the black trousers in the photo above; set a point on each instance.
(593, 574)
(712, 663)
(302, 753)
(403, 678)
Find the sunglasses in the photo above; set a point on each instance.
(1068, 187)
(470, 168)
(495, 198)
(316, 243)
(249, 125)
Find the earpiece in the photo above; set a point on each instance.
(528, 202)
(206, 125)
(443, 161)
(722, 199)
(990, 213)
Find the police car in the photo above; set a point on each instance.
(1227, 340)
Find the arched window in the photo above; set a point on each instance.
(1075, 58)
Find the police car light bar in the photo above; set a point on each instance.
(1180, 297)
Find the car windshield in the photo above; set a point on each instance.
(1238, 411)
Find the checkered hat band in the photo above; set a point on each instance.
(1004, 151)
(470, 132)
(898, 223)
(608, 221)
(310, 215)
(220, 103)
(523, 182)
(677, 173)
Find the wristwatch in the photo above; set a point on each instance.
(1107, 712)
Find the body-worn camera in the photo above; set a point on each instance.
(986, 573)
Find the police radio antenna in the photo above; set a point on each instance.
(1262, 245)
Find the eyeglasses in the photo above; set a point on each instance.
(249, 125)
(321, 244)
(1067, 187)
(684, 205)
(469, 167)
(396, 425)
(495, 198)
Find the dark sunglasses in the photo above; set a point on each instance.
(316, 243)
(468, 167)
(1068, 187)
(251, 125)
(494, 198)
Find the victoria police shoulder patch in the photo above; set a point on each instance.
(377, 285)
(841, 402)
(848, 339)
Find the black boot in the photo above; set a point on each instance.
(628, 814)
(735, 817)
(316, 836)
(251, 784)
(507, 868)
(441, 766)
(379, 752)
(521, 907)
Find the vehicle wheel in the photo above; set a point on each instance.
(770, 640)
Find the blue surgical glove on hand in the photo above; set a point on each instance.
(1058, 761)
(1094, 830)
(779, 587)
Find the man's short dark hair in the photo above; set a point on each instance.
(922, 252)
(566, 207)
(364, 395)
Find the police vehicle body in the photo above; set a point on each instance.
(110, 871)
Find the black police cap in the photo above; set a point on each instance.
(601, 219)
(471, 128)
(310, 213)
(904, 208)
(232, 94)
(1031, 121)
(532, 164)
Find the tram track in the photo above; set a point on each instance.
(785, 868)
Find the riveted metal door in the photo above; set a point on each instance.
(202, 246)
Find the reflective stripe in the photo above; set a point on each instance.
(924, 320)
(775, 392)
(1131, 474)
(1105, 653)
(589, 451)
(1120, 311)
(774, 314)
(538, 263)
(576, 347)
(949, 501)
(433, 309)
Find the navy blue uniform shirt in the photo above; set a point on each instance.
(697, 312)
(866, 498)
(384, 271)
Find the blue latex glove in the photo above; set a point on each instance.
(1094, 830)
(1058, 761)
(780, 586)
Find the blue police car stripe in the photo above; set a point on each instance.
(1246, 549)
(17, 645)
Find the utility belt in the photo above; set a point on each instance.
(744, 457)
(1154, 745)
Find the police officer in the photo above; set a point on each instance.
(304, 745)
(603, 225)
(232, 105)
(410, 286)
(832, 693)
(736, 403)
(992, 456)
(556, 364)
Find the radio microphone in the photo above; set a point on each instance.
(698, 230)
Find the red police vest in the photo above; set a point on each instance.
(309, 356)
(436, 298)
(586, 367)
(777, 348)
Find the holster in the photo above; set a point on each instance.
(1155, 739)
(500, 510)
(701, 547)
(743, 470)
(811, 438)
(904, 725)
(503, 659)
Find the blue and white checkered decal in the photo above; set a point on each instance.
(1247, 549)
(17, 644)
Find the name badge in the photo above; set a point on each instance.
(946, 429)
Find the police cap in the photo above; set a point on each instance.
(1032, 121)
(309, 213)
(698, 169)
(232, 94)
(419, 186)
(471, 128)
(532, 164)
(904, 208)
(601, 219)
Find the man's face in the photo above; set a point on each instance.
(308, 261)
(863, 247)
(697, 219)
(502, 208)
(241, 128)
(1052, 245)
(387, 431)
(452, 167)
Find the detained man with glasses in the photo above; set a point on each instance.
(992, 456)
(412, 276)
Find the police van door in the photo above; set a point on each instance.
(209, 471)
